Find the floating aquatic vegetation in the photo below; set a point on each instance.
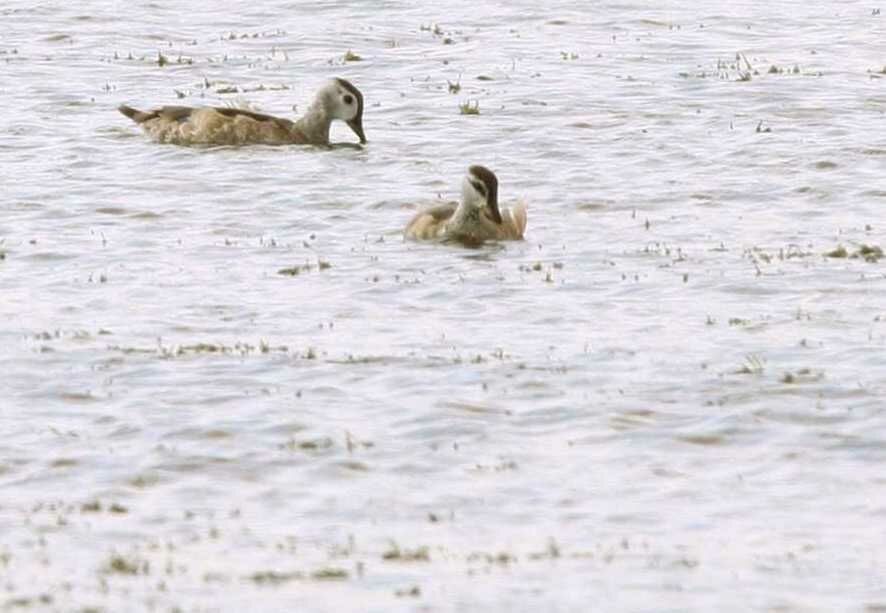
(329, 574)
(273, 577)
(753, 365)
(868, 253)
(469, 108)
(434, 29)
(394, 553)
(96, 507)
(175, 351)
(802, 375)
(413, 592)
(551, 552)
(501, 558)
(118, 564)
(318, 444)
(296, 270)
(742, 70)
(350, 56)
(503, 466)
(269, 34)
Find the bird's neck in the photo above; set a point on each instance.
(315, 123)
(465, 217)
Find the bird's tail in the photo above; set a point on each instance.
(134, 114)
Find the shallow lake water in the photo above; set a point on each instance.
(671, 396)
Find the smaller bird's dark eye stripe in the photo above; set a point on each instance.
(479, 187)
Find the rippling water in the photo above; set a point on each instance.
(669, 397)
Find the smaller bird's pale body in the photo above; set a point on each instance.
(183, 125)
(475, 219)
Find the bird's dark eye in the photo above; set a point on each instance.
(349, 99)
(479, 187)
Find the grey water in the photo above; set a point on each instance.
(228, 384)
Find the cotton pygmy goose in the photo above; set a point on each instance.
(476, 218)
(182, 125)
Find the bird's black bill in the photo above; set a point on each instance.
(357, 126)
(494, 212)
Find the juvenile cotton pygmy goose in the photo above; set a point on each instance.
(476, 218)
(182, 125)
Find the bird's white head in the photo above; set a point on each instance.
(342, 100)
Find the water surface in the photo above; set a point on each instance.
(669, 397)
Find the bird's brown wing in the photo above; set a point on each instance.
(427, 223)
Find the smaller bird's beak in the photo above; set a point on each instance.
(356, 125)
(494, 212)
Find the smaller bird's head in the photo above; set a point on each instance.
(479, 190)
